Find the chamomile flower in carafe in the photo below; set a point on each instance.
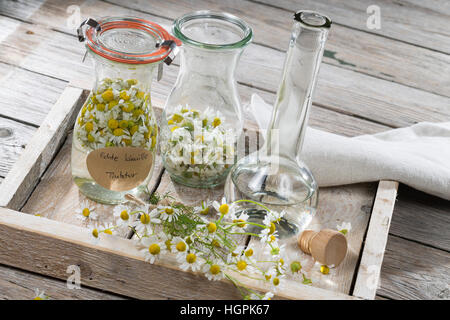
(115, 134)
(202, 119)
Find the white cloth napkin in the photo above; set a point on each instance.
(418, 156)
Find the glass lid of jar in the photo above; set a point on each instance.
(212, 30)
(128, 40)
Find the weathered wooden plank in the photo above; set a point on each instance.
(114, 264)
(422, 23)
(375, 241)
(13, 138)
(16, 284)
(371, 54)
(27, 96)
(422, 217)
(341, 90)
(414, 271)
(63, 63)
(40, 151)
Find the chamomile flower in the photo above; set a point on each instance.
(239, 222)
(144, 225)
(214, 270)
(223, 208)
(191, 261)
(344, 228)
(180, 246)
(153, 248)
(40, 295)
(204, 208)
(86, 211)
(168, 213)
(123, 215)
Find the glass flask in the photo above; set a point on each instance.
(115, 134)
(202, 119)
(275, 175)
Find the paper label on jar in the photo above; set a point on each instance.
(119, 168)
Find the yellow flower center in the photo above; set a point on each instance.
(118, 132)
(108, 231)
(223, 209)
(282, 261)
(212, 227)
(113, 123)
(124, 215)
(86, 212)
(90, 138)
(37, 298)
(101, 107)
(205, 211)
(268, 276)
(108, 95)
(89, 126)
(324, 269)
(190, 258)
(239, 222)
(272, 238)
(241, 265)
(295, 266)
(215, 243)
(249, 253)
(145, 218)
(95, 233)
(181, 246)
(123, 124)
(216, 122)
(215, 269)
(154, 249)
(276, 281)
(168, 211)
(168, 244)
(272, 228)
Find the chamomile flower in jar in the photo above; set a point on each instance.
(202, 119)
(116, 134)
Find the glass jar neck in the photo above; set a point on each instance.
(105, 68)
(209, 63)
(291, 110)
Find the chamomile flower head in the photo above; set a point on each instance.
(344, 228)
(123, 215)
(86, 211)
(223, 208)
(145, 224)
(239, 223)
(191, 261)
(180, 246)
(214, 270)
(40, 295)
(204, 208)
(168, 213)
(153, 248)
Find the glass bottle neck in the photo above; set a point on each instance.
(291, 110)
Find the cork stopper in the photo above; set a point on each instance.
(328, 246)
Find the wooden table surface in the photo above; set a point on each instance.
(371, 80)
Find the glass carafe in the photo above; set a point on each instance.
(202, 118)
(115, 134)
(275, 175)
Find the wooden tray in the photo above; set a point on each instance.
(39, 231)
